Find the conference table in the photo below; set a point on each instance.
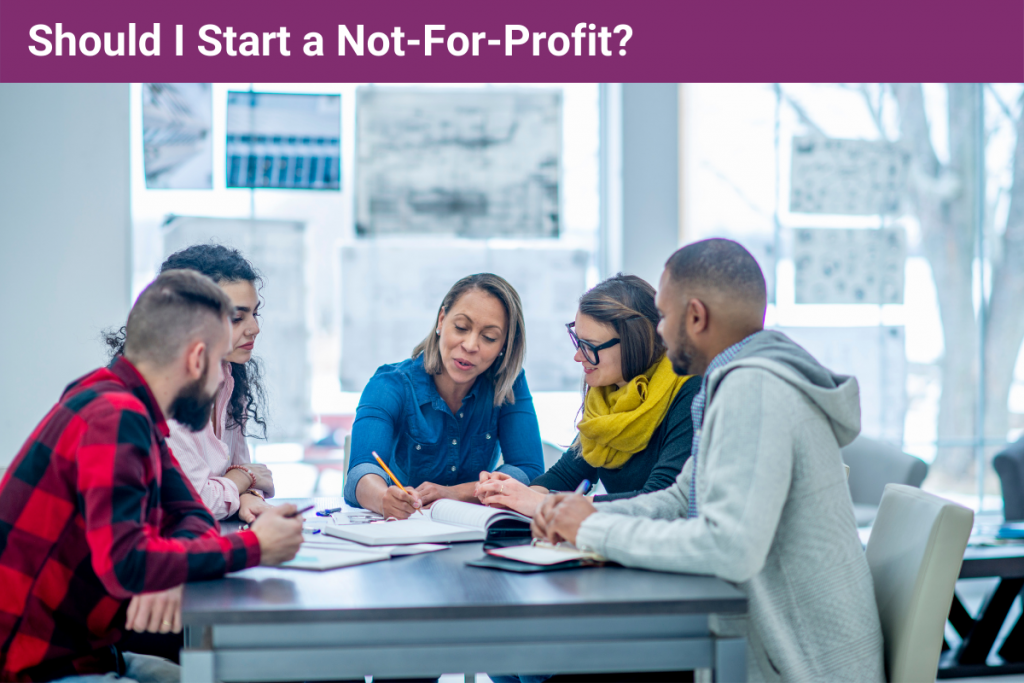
(428, 614)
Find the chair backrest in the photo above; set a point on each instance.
(873, 464)
(348, 452)
(1009, 465)
(551, 454)
(915, 551)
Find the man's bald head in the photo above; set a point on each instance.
(723, 275)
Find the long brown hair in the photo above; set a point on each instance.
(504, 371)
(626, 302)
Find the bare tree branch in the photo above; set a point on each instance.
(1015, 216)
(800, 111)
(914, 127)
(999, 100)
(874, 110)
(736, 188)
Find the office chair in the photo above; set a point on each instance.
(873, 464)
(1009, 465)
(915, 551)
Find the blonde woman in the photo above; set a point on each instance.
(438, 419)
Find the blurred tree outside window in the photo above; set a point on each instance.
(961, 309)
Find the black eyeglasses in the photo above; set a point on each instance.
(589, 350)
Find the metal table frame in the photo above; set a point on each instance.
(979, 634)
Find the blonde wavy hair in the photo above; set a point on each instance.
(504, 371)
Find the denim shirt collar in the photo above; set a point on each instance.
(426, 390)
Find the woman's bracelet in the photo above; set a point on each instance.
(252, 477)
(255, 493)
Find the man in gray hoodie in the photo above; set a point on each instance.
(763, 501)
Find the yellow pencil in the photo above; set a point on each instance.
(393, 477)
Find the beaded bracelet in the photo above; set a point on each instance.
(252, 477)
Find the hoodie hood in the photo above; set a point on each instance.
(838, 396)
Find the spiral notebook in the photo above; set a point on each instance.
(447, 521)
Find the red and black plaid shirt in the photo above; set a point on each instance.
(94, 510)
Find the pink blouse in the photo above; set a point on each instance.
(205, 455)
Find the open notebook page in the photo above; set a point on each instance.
(467, 514)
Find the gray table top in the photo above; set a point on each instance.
(1006, 561)
(440, 585)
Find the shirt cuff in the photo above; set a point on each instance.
(515, 473)
(229, 498)
(592, 536)
(245, 551)
(355, 474)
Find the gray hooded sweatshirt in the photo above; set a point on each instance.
(774, 517)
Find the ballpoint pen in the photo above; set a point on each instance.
(290, 515)
(583, 487)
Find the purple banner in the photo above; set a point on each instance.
(519, 41)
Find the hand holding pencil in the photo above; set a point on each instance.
(398, 501)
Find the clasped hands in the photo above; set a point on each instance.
(556, 516)
(559, 517)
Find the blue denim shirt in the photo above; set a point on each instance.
(403, 417)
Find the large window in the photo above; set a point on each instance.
(889, 223)
(327, 254)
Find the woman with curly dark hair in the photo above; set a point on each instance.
(216, 459)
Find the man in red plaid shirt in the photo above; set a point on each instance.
(99, 528)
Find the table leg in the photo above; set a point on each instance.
(730, 660)
(1013, 647)
(960, 618)
(197, 666)
(979, 640)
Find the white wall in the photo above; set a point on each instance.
(64, 241)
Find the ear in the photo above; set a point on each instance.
(696, 317)
(195, 359)
(440, 319)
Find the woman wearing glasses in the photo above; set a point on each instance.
(636, 430)
(437, 419)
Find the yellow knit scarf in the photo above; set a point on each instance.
(619, 422)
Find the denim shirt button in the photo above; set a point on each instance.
(418, 447)
(453, 468)
(455, 442)
(460, 414)
(488, 436)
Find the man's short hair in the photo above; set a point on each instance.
(176, 308)
(721, 265)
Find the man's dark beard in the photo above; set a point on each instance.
(686, 360)
(191, 407)
(680, 366)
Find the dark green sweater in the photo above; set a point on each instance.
(652, 469)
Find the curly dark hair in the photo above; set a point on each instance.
(247, 405)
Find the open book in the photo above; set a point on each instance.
(447, 521)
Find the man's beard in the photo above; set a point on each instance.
(191, 407)
(685, 358)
